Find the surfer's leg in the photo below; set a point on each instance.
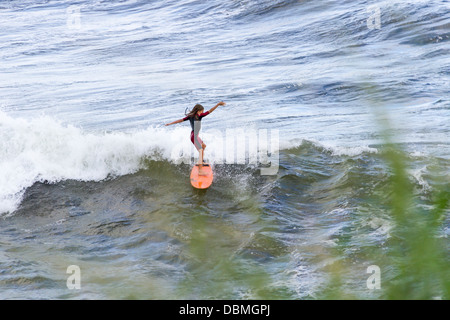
(200, 163)
(198, 143)
(203, 152)
(200, 157)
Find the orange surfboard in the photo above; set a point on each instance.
(202, 181)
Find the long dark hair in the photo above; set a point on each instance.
(195, 109)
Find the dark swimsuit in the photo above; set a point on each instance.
(196, 125)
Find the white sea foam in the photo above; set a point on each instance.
(43, 149)
(418, 175)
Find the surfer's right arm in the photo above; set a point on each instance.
(176, 121)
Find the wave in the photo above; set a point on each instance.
(44, 149)
(296, 145)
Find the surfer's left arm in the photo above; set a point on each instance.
(221, 103)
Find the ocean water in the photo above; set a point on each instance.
(90, 176)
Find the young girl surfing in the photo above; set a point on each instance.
(195, 117)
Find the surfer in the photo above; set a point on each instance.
(195, 116)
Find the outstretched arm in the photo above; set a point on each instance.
(176, 121)
(221, 103)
